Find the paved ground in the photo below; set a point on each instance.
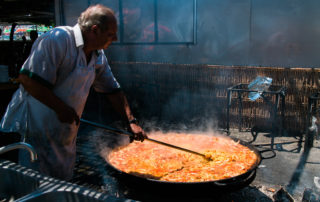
(290, 165)
(287, 169)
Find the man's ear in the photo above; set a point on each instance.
(94, 28)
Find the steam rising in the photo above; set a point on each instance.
(105, 141)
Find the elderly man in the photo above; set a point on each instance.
(63, 64)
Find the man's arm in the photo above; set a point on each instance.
(64, 112)
(121, 105)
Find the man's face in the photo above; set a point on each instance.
(105, 38)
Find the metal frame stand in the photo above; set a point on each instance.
(277, 91)
(312, 109)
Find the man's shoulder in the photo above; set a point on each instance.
(58, 35)
(62, 31)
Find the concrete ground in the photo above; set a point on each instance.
(289, 165)
(288, 171)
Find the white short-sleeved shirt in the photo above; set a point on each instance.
(53, 57)
(57, 60)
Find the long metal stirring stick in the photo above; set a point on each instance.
(148, 139)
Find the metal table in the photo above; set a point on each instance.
(278, 91)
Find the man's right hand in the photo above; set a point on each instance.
(68, 115)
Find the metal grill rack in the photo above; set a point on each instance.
(278, 92)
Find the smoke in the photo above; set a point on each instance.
(105, 141)
(191, 110)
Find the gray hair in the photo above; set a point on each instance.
(97, 15)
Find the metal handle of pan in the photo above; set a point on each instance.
(122, 132)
